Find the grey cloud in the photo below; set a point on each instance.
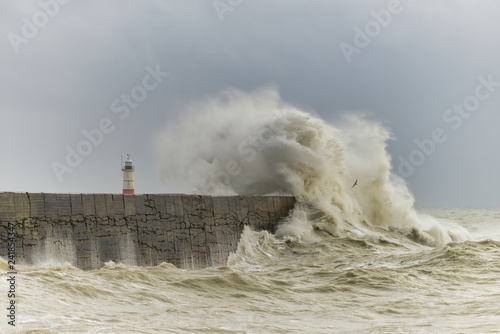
(65, 79)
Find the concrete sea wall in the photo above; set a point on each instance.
(189, 231)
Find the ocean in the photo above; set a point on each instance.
(282, 284)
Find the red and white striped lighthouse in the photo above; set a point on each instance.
(128, 176)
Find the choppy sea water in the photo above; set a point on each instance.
(280, 284)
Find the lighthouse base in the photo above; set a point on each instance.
(128, 191)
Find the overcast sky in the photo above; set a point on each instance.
(64, 67)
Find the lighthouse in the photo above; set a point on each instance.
(128, 176)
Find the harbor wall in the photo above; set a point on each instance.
(87, 230)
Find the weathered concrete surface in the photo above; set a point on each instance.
(189, 231)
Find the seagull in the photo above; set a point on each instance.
(355, 184)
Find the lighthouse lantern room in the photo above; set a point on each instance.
(128, 176)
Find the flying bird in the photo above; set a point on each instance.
(355, 184)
